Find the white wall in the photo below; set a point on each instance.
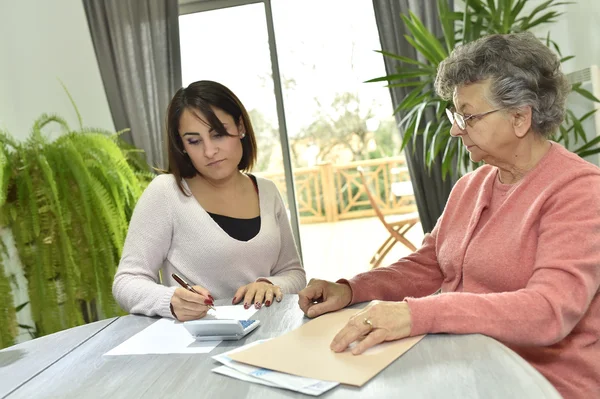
(6, 105)
(40, 42)
(577, 32)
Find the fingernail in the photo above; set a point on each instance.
(208, 302)
(246, 306)
(210, 296)
(258, 305)
(233, 301)
(268, 303)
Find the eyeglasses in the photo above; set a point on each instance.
(461, 120)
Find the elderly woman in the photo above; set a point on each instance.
(516, 252)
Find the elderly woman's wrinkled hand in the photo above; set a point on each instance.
(378, 322)
(322, 296)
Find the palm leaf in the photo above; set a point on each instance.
(584, 93)
(480, 17)
(447, 21)
(588, 145)
(407, 60)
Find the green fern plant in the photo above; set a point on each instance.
(423, 115)
(68, 204)
(8, 313)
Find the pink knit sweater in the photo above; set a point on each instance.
(519, 263)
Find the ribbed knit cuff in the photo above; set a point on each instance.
(422, 314)
(283, 282)
(164, 305)
(263, 280)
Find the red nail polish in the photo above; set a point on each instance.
(208, 302)
(268, 303)
(246, 306)
(258, 305)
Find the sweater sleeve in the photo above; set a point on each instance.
(417, 274)
(136, 286)
(565, 279)
(287, 273)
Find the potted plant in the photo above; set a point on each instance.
(67, 203)
(423, 112)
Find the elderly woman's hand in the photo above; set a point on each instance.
(378, 322)
(322, 296)
(256, 293)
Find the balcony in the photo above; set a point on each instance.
(338, 227)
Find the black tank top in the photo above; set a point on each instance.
(240, 229)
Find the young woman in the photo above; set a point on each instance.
(224, 231)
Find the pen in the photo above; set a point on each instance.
(187, 286)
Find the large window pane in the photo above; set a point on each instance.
(231, 46)
(336, 122)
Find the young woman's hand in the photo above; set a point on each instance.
(187, 305)
(257, 293)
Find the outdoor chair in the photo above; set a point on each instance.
(396, 227)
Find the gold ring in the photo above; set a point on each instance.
(368, 323)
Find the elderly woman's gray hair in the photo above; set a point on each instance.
(522, 70)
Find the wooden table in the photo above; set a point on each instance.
(21, 363)
(449, 366)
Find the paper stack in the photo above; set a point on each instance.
(268, 377)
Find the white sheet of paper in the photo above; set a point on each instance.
(162, 337)
(235, 369)
(235, 312)
(169, 336)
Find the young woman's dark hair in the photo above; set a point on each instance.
(201, 96)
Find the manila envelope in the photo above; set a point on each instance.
(305, 352)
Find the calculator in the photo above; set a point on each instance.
(220, 330)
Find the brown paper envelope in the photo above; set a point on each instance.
(305, 352)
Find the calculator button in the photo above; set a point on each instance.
(246, 323)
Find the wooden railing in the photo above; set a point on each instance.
(328, 192)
